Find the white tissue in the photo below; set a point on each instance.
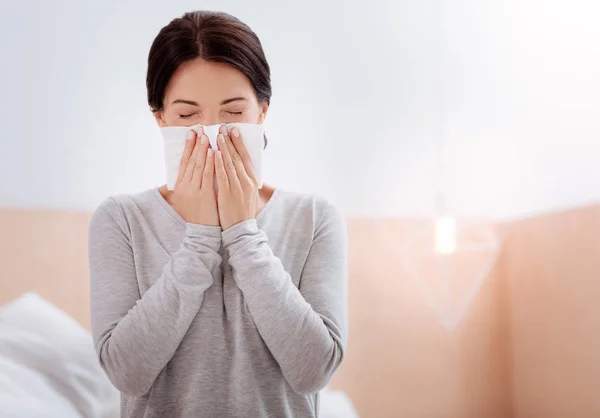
(175, 138)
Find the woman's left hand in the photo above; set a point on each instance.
(237, 196)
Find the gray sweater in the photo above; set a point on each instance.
(192, 321)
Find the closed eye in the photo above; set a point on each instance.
(235, 113)
(186, 116)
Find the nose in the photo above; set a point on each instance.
(210, 120)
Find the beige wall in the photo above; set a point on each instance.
(552, 273)
(528, 347)
(401, 362)
(46, 251)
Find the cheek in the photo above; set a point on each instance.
(252, 115)
(180, 122)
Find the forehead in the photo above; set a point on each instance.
(206, 82)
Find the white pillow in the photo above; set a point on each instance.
(335, 404)
(25, 393)
(41, 337)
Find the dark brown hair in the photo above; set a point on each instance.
(212, 36)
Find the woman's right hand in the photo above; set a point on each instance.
(194, 194)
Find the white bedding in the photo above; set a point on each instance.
(26, 393)
(48, 365)
(48, 368)
(336, 404)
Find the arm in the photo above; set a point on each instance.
(305, 329)
(136, 337)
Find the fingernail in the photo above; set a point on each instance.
(235, 132)
(210, 152)
(223, 129)
(219, 156)
(203, 139)
(200, 130)
(221, 138)
(190, 135)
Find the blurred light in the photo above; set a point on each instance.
(445, 235)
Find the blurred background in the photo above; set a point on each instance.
(460, 137)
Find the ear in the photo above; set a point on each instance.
(263, 113)
(159, 119)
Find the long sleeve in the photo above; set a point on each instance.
(305, 328)
(135, 337)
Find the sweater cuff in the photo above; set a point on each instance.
(237, 231)
(203, 236)
(240, 236)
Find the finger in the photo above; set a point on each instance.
(200, 162)
(189, 171)
(222, 180)
(187, 153)
(230, 147)
(242, 151)
(240, 169)
(209, 170)
(232, 175)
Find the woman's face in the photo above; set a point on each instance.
(209, 93)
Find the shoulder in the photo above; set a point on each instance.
(317, 209)
(117, 210)
(126, 202)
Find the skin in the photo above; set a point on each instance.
(210, 93)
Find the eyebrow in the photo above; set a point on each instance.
(190, 102)
(193, 103)
(233, 99)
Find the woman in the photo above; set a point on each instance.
(216, 304)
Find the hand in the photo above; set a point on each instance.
(194, 195)
(237, 196)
